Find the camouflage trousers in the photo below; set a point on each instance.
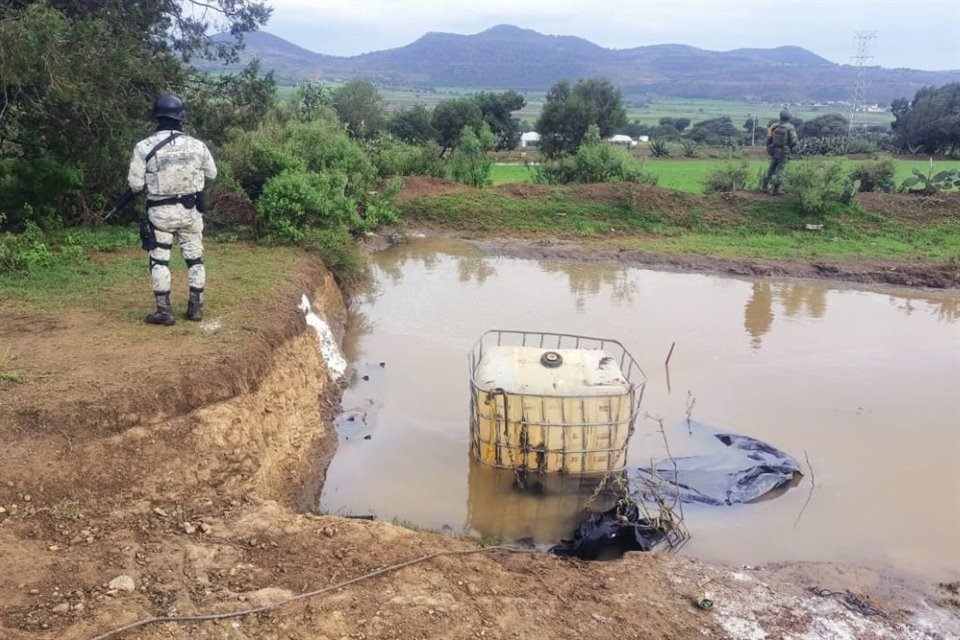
(773, 181)
(186, 225)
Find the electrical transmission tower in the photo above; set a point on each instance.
(863, 40)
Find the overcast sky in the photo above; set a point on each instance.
(920, 34)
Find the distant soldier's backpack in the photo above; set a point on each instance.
(781, 135)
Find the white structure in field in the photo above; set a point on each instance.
(529, 139)
(622, 139)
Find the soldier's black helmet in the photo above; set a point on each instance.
(169, 106)
(785, 116)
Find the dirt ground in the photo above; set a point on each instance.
(143, 475)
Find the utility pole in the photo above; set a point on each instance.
(862, 40)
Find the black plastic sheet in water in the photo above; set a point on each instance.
(611, 534)
(739, 469)
(736, 469)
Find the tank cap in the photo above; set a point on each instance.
(551, 359)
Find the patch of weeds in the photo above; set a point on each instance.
(66, 510)
(7, 374)
(412, 526)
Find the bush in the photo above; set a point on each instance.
(469, 163)
(690, 148)
(875, 175)
(392, 157)
(659, 148)
(730, 177)
(819, 186)
(24, 252)
(595, 161)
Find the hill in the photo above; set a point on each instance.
(505, 56)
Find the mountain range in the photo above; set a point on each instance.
(508, 57)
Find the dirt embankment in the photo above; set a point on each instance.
(717, 210)
(178, 500)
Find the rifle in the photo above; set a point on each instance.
(121, 202)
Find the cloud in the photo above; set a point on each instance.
(924, 34)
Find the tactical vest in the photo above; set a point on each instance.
(781, 135)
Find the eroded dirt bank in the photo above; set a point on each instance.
(186, 500)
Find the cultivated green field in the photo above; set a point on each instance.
(688, 175)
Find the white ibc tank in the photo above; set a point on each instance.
(543, 405)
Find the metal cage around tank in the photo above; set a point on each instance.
(557, 431)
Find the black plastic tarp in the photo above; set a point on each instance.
(611, 534)
(736, 469)
(733, 469)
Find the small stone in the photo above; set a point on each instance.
(63, 607)
(53, 547)
(34, 592)
(205, 528)
(160, 512)
(27, 498)
(188, 528)
(329, 531)
(3, 510)
(44, 625)
(89, 539)
(78, 607)
(367, 437)
(383, 364)
(122, 583)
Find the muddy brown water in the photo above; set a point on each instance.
(865, 384)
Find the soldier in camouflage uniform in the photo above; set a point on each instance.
(781, 140)
(173, 167)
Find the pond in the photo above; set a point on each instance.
(861, 386)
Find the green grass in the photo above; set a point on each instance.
(511, 173)
(688, 175)
(771, 230)
(110, 275)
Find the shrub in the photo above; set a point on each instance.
(875, 175)
(690, 148)
(393, 157)
(819, 185)
(730, 177)
(659, 148)
(25, 251)
(595, 161)
(469, 163)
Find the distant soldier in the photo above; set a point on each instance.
(781, 140)
(173, 167)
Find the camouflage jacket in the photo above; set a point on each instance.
(178, 168)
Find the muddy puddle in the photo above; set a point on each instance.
(863, 384)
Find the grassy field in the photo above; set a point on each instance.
(688, 175)
(103, 269)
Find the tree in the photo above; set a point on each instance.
(714, 131)
(677, 123)
(825, 126)
(568, 113)
(413, 125)
(497, 110)
(360, 106)
(931, 122)
(451, 116)
(77, 79)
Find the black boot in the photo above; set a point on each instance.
(164, 313)
(195, 305)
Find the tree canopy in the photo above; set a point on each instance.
(829, 125)
(451, 116)
(931, 122)
(497, 110)
(77, 81)
(360, 106)
(569, 111)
